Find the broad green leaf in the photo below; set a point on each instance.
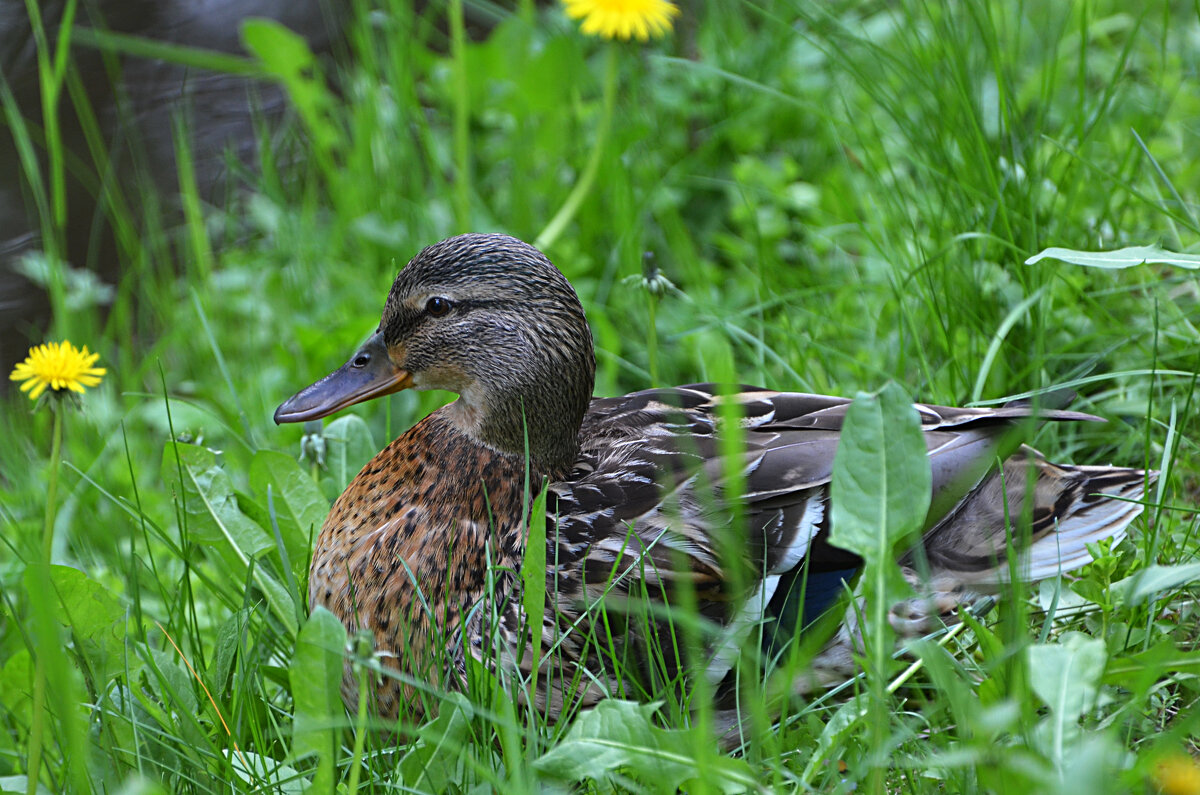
(214, 517)
(212, 512)
(1121, 258)
(175, 685)
(431, 764)
(16, 686)
(95, 616)
(278, 597)
(1094, 763)
(348, 448)
(620, 736)
(300, 507)
(316, 675)
(229, 641)
(283, 51)
(1152, 580)
(881, 477)
(1066, 675)
(880, 493)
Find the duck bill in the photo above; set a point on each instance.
(369, 374)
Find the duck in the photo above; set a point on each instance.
(423, 553)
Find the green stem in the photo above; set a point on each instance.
(462, 109)
(52, 485)
(584, 185)
(652, 338)
(37, 726)
(360, 731)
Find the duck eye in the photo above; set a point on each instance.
(437, 306)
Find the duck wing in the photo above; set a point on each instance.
(649, 504)
(651, 475)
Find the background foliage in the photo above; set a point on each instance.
(842, 194)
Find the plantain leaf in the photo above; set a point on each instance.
(880, 494)
(175, 686)
(300, 507)
(261, 773)
(231, 638)
(1068, 673)
(213, 515)
(1067, 680)
(95, 616)
(881, 477)
(1066, 677)
(834, 734)
(316, 675)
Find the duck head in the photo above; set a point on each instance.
(490, 318)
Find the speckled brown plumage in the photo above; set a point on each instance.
(423, 549)
(423, 518)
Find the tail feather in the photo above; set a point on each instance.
(1072, 506)
(1094, 519)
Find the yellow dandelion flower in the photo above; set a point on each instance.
(1178, 774)
(59, 366)
(623, 19)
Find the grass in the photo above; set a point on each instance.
(842, 194)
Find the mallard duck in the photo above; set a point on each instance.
(423, 549)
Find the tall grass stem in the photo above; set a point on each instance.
(38, 725)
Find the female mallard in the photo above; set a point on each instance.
(423, 547)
